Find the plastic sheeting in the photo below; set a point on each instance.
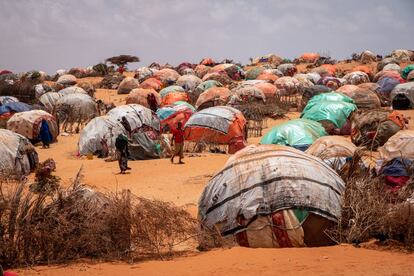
(14, 107)
(261, 180)
(72, 90)
(336, 112)
(14, 154)
(8, 99)
(137, 116)
(218, 118)
(399, 145)
(294, 132)
(332, 147)
(170, 89)
(82, 106)
(49, 100)
(98, 128)
(406, 89)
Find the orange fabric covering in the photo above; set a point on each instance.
(198, 134)
(139, 96)
(212, 94)
(267, 76)
(347, 88)
(309, 57)
(330, 68)
(268, 89)
(207, 61)
(180, 116)
(151, 83)
(173, 97)
(364, 69)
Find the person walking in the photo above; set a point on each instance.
(44, 134)
(121, 145)
(177, 140)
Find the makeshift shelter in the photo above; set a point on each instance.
(137, 115)
(392, 67)
(214, 96)
(287, 69)
(410, 76)
(270, 196)
(208, 61)
(249, 93)
(269, 90)
(172, 94)
(49, 100)
(402, 96)
(331, 82)
(299, 133)
(28, 124)
(202, 87)
(402, 55)
(14, 107)
(363, 98)
(329, 147)
(67, 80)
(367, 57)
(88, 87)
(288, 86)
(171, 89)
(144, 73)
(309, 57)
(41, 89)
(309, 92)
(400, 145)
(167, 76)
(221, 77)
(365, 69)
(127, 85)
(18, 157)
(254, 72)
(8, 99)
(388, 74)
(171, 115)
(271, 59)
(304, 80)
(97, 131)
(267, 77)
(218, 125)
(336, 112)
(373, 128)
(201, 70)
(140, 96)
(188, 82)
(72, 90)
(406, 71)
(151, 83)
(356, 77)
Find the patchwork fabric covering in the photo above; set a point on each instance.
(258, 183)
(28, 124)
(137, 116)
(220, 124)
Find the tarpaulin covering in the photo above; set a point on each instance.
(49, 100)
(171, 115)
(213, 95)
(14, 107)
(332, 147)
(140, 96)
(100, 127)
(399, 145)
(219, 124)
(263, 179)
(288, 85)
(170, 89)
(406, 89)
(294, 132)
(17, 155)
(336, 112)
(407, 70)
(72, 90)
(151, 83)
(127, 85)
(189, 82)
(8, 99)
(67, 80)
(137, 116)
(82, 107)
(364, 98)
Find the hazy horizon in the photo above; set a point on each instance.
(49, 35)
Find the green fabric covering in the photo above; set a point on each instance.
(332, 96)
(300, 214)
(406, 71)
(173, 88)
(336, 112)
(294, 132)
(208, 84)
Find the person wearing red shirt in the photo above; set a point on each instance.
(177, 140)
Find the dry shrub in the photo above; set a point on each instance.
(78, 222)
(369, 211)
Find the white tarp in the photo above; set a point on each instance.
(218, 118)
(137, 116)
(270, 178)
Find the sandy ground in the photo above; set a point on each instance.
(182, 184)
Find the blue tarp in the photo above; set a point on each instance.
(14, 107)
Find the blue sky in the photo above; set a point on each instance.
(49, 35)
